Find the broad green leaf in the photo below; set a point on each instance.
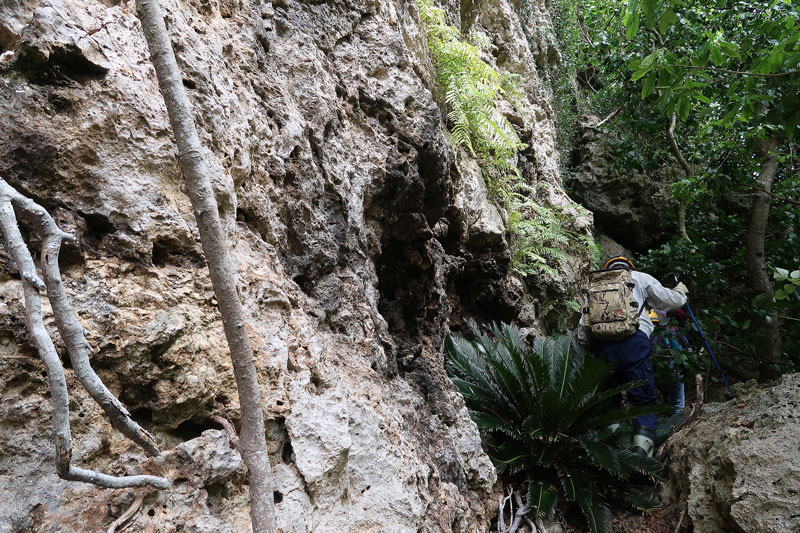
(701, 97)
(684, 106)
(730, 115)
(649, 85)
(648, 61)
(667, 19)
(632, 25)
(780, 295)
(716, 56)
(775, 61)
(730, 49)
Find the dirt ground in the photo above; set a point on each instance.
(657, 521)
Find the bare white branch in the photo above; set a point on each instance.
(21, 257)
(68, 326)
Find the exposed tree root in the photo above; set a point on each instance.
(516, 517)
(72, 334)
(680, 521)
(127, 515)
(229, 429)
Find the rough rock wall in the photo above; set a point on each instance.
(360, 234)
(632, 206)
(738, 468)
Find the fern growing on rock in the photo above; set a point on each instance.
(470, 88)
(544, 411)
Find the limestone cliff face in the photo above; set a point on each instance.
(360, 233)
(630, 205)
(737, 468)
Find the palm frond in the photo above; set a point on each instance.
(546, 407)
(598, 515)
(542, 497)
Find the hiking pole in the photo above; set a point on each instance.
(700, 330)
(721, 373)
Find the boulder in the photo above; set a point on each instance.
(631, 205)
(738, 467)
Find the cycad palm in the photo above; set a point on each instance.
(548, 410)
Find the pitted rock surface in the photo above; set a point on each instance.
(361, 233)
(738, 469)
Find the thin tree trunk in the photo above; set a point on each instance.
(687, 170)
(754, 250)
(224, 275)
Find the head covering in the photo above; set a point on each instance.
(618, 261)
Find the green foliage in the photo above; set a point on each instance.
(728, 70)
(470, 87)
(713, 267)
(757, 49)
(669, 363)
(790, 283)
(545, 411)
(539, 234)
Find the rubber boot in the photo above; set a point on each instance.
(643, 442)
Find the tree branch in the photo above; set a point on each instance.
(738, 72)
(776, 196)
(609, 117)
(224, 274)
(687, 170)
(31, 284)
(68, 326)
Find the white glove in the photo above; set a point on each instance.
(681, 288)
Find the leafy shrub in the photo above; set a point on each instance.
(545, 412)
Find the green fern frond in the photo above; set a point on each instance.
(540, 236)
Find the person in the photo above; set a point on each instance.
(632, 354)
(669, 339)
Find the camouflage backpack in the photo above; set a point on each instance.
(611, 312)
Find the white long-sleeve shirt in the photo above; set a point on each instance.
(648, 290)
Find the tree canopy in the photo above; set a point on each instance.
(716, 87)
